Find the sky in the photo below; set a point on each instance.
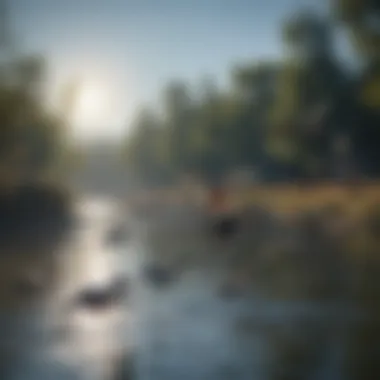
(127, 50)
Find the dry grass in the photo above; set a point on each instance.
(340, 223)
(330, 249)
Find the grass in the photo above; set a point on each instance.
(339, 225)
(349, 212)
(357, 209)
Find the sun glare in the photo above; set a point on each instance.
(93, 109)
(94, 103)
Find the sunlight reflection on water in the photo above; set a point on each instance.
(187, 332)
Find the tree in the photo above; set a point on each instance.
(361, 20)
(178, 119)
(255, 87)
(30, 136)
(361, 17)
(144, 150)
(311, 83)
(286, 118)
(307, 37)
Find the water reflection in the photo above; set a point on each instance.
(189, 332)
(308, 310)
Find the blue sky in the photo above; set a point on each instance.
(139, 45)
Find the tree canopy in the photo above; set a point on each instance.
(302, 117)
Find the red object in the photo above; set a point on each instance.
(218, 200)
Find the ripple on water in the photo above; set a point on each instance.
(192, 334)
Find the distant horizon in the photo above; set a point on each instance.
(133, 49)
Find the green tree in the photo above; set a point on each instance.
(30, 135)
(144, 150)
(310, 84)
(178, 121)
(361, 18)
(254, 86)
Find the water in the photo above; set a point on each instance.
(187, 332)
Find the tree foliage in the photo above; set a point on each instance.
(31, 137)
(289, 118)
(361, 18)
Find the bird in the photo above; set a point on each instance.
(226, 227)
